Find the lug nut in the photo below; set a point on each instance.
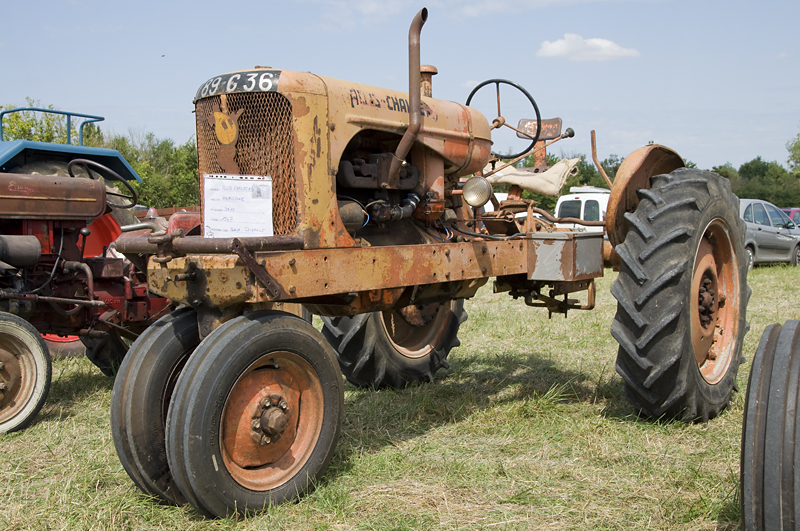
(265, 441)
(3, 386)
(256, 425)
(284, 406)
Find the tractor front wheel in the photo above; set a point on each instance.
(256, 414)
(770, 458)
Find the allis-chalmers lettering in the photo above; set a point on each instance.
(391, 103)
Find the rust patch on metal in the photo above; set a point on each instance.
(372, 278)
(43, 197)
(634, 174)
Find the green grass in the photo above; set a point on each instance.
(528, 429)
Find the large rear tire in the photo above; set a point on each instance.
(396, 347)
(256, 414)
(25, 373)
(682, 294)
(770, 459)
(142, 393)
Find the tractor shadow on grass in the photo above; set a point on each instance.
(529, 382)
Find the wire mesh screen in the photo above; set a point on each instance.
(263, 146)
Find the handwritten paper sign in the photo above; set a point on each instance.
(237, 206)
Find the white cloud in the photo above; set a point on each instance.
(576, 48)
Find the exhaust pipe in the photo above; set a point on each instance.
(414, 99)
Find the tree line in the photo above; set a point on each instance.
(170, 176)
(168, 170)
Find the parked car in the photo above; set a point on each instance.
(771, 236)
(588, 203)
(793, 213)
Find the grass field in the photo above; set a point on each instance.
(528, 429)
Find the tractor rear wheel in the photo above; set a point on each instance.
(770, 459)
(682, 294)
(256, 414)
(396, 347)
(25, 373)
(142, 393)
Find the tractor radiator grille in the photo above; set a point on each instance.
(263, 147)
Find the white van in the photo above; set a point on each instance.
(588, 203)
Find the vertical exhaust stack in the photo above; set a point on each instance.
(414, 99)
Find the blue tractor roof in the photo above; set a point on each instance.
(18, 152)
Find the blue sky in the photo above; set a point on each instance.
(718, 81)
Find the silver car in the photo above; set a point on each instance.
(771, 236)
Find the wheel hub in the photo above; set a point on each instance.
(270, 419)
(256, 429)
(419, 314)
(707, 300)
(414, 330)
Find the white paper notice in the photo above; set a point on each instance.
(236, 206)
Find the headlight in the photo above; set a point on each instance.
(477, 191)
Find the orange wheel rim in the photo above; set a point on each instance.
(17, 377)
(282, 391)
(412, 333)
(715, 302)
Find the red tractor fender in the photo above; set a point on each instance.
(634, 174)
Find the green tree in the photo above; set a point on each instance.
(32, 125)
(794, 154)
(759, 179)
(729, 172)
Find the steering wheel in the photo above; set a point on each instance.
(500, 121)
(105, 172)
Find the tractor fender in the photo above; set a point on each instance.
(634, 174)
(18, 152)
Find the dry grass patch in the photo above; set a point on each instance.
(528, 429)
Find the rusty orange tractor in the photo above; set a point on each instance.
(363, 204)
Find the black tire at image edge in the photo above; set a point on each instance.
(770, 458)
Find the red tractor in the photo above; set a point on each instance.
(62, 206)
